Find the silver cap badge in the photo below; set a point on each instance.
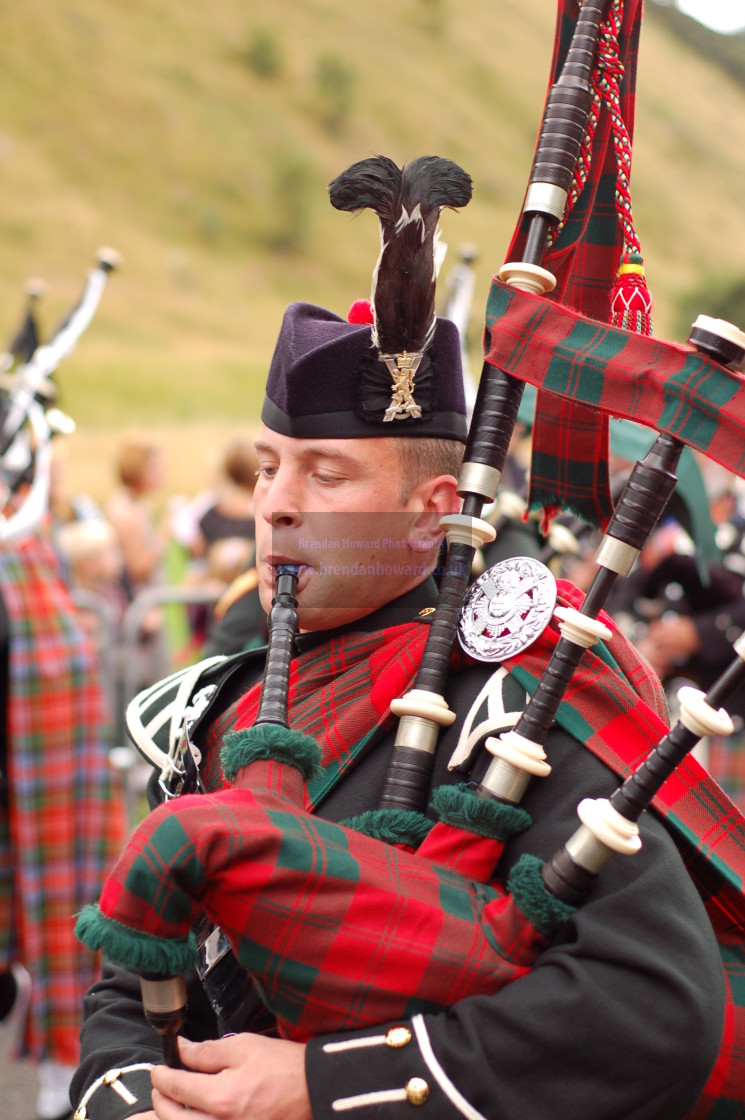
(507, 608)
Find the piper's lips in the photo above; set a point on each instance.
(272, 563)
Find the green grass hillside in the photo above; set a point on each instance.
(198, 140)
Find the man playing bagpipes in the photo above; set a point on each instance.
(622, 1014)
(620, 1010)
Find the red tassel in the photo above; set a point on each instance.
(361, 312)
(631, 303)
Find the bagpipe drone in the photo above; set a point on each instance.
(296, 896)
(29, 416)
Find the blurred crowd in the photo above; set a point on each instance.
(146, 571)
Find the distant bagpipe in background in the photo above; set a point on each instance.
(303, 902)
(29, 416)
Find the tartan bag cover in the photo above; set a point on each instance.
(66, 819)
(340, 930)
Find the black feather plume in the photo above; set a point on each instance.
(408, 202)
(26, 339)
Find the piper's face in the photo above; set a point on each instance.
(333, 507)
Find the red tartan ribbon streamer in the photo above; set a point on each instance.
(584, 259)
(663, 385)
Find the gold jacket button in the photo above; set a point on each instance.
(111, 1076)
(397, 1037)
(417, 1090)
(80, 1113)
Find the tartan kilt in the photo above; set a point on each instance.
(340, 930)
(65, 821)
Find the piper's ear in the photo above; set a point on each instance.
(425, 534)
(438, 496)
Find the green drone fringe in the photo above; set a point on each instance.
(270, 741)
(539, 906)
(145, 952)
(459, 806)
(392, 826)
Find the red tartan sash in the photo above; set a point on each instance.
(340, 694)
(605, 713)
(608, 715)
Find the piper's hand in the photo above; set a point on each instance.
(242, 1077)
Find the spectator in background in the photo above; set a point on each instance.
(93, 558)
(61, 813)
(140, 472)
(217, 529)
(227, 560)
(230, 514)
(64, 505)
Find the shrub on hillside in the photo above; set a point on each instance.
(335, 81)
(293, 187)
(264, 54)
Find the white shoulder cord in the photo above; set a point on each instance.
(175, 712)
(497, 719)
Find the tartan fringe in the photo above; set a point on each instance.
(273, 742)
(403, 827)
(458, 806)
(142, 951)
(543, 910)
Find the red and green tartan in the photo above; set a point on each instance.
(660, 384)
(273, 906)
(584, 258)
(726, 759)
(340, 694)
(600, 709)
(66, 823)
(585, 255)
(340, 930)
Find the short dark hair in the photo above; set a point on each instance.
(426, 458)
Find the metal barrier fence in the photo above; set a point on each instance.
(130, 665)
